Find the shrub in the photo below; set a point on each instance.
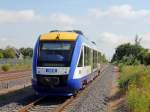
(120, 65)
(1, 55)
(5, 67)
(135, 81)
(138, 96)
(126, 80)
(129, 74)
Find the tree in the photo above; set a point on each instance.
(146, 58)
(129, 54)
(123, 50)
(9, 53)
(27, 52)
(1, 55)
(137, 40)
(132, 54)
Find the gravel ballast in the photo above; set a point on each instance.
(97, 96)
(13, 101)
(94, 99)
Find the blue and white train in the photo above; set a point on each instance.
(63, 63)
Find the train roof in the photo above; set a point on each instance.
(67, 36)
(90, 43)
(70, 35)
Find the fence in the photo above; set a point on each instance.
(15, 61)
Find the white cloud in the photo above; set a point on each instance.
(7, 16)
(112, 39)
(16, 16)
(3, 39)
(120, 11)
(60, 21)
(97, 12)
(108, 41)
(145, 40)
(61, 18)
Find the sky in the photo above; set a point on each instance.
(107, 22)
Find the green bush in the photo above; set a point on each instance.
(9, 53)
(129, 74)
(5, 67)
(120, 65)
(138, 96)
(135, 81)
(1, 55)
(19, 65)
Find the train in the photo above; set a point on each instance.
(64, 62)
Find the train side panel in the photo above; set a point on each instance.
(76, 84)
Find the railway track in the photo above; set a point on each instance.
(53, 104)
(15, 75)
(17, 71)
(48, 104)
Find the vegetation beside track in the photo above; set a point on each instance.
(24, 64)
(134, 81)
(134, 63)
(13, 59)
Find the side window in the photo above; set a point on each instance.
(94, 59)
(99, 57)
(85, 56)
(80, 64)
(89, 56)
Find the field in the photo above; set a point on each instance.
(135, 82)
(14, 65)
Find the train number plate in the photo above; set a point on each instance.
(50, 70)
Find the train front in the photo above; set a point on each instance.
(51, 63)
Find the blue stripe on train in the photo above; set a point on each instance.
(34, 60)
(73, 82)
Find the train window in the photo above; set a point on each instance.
(56, 46)
(87, 56)
(96, 56)
(80, 64)
(55, 53)
(94, 59)
(99, 57)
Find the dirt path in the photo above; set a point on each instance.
(117, 101)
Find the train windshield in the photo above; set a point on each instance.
(56, 46)
(55, 54)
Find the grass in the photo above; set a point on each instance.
(20, 65)
(135, 80)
